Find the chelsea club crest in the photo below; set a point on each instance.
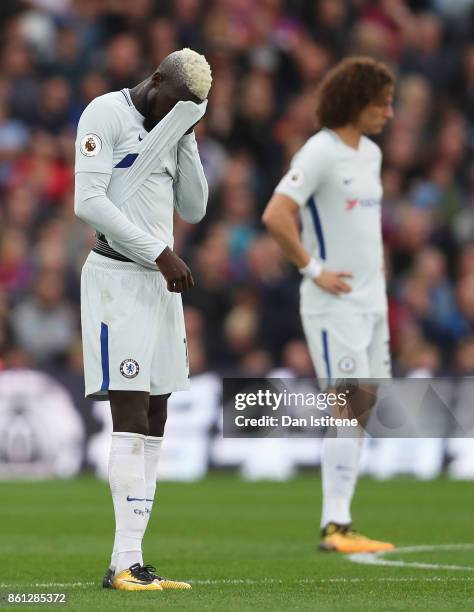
(129, 368)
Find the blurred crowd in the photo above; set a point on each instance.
(267, 57)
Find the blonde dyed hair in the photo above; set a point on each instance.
(192, 70)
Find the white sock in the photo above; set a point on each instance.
(152, 450)
(152, 456)
(339, 469)
(127, 484)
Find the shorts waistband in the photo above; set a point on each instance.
(103, 248)
(96, 260)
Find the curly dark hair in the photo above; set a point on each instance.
(348, 88)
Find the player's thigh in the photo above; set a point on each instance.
(130, 411)
(118, 315)
(170, 363)
(338, 345)
(379, 348)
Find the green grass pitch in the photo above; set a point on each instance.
(246, 546)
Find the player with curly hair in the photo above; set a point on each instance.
(334, 183)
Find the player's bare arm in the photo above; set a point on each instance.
(280, 218)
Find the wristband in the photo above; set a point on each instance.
(312, 269)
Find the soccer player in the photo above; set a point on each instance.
(136, 162)
(334, 184)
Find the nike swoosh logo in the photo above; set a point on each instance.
(138, 498)
(138, 582)
(140, 139)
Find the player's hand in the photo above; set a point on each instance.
(178, 275)
(333, 282)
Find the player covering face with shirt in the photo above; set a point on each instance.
(334, 185)
(136, 164)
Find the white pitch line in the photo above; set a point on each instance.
(363, 558)
(339, 579)
(379, 558)
(250, 581)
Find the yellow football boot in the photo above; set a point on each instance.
(166, 583)
(172, 584)
(341, 538)
(163, 583)
(136, 578)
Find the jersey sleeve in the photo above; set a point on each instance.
(305, 173)
(97, 132)
(92, 205)
(190, 187)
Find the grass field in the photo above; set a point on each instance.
(245, 546)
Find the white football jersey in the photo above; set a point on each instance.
(339, 190)
(109, 132)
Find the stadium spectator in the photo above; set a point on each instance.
(267, 58)
(43, 324)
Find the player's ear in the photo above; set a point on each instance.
(156, 78)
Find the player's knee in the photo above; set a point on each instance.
(136, 423)
(156, 427)
(361, 400)
(157, 414)
(129, 412)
